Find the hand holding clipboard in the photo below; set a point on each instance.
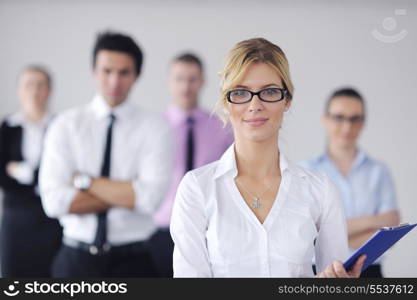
(380, 242)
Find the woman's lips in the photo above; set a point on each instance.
(256, 122)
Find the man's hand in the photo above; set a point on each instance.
(117, 193)
(111, 192)
(84, 202)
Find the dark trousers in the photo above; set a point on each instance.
(162, 248)
(131, 260)
(29, 241)
(373, 271)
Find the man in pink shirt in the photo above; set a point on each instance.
(199, 139)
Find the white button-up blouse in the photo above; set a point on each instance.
(217, 235)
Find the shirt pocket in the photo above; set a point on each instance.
(230, 242)
(297, 233)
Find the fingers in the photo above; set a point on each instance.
(334, 270)
(339, 270)
(320, 275)
(329, 272)
(357, 268)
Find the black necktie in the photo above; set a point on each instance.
(190, 145)
(101, 234)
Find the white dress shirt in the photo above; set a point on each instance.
(32, 140)
(217, 235)
(75, 143)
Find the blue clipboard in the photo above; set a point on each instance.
(380, 242)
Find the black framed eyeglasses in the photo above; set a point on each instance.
(240, 96)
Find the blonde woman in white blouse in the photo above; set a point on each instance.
(252, 213)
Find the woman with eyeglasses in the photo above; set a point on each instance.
(365, 184)
(253, 213)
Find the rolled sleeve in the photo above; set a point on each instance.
(56, 171)
(155, 168)
(24, 173)
(331, 243)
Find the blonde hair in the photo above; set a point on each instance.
(240, 57)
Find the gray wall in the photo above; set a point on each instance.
(328, 43)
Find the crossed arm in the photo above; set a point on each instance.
(362, 228)
(103, 194)
(59, 165)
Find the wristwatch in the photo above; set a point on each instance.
(82, 181)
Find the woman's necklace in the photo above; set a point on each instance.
(256, 200)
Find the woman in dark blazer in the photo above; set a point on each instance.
(28, 238)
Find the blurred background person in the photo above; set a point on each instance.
(364, 183)
(29, 239)
(105, 170)
(200, 138)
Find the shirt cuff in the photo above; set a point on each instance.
(23, 173)
(147, 197)
(56, 202)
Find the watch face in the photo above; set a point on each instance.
(82, 182)
(86, 182)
